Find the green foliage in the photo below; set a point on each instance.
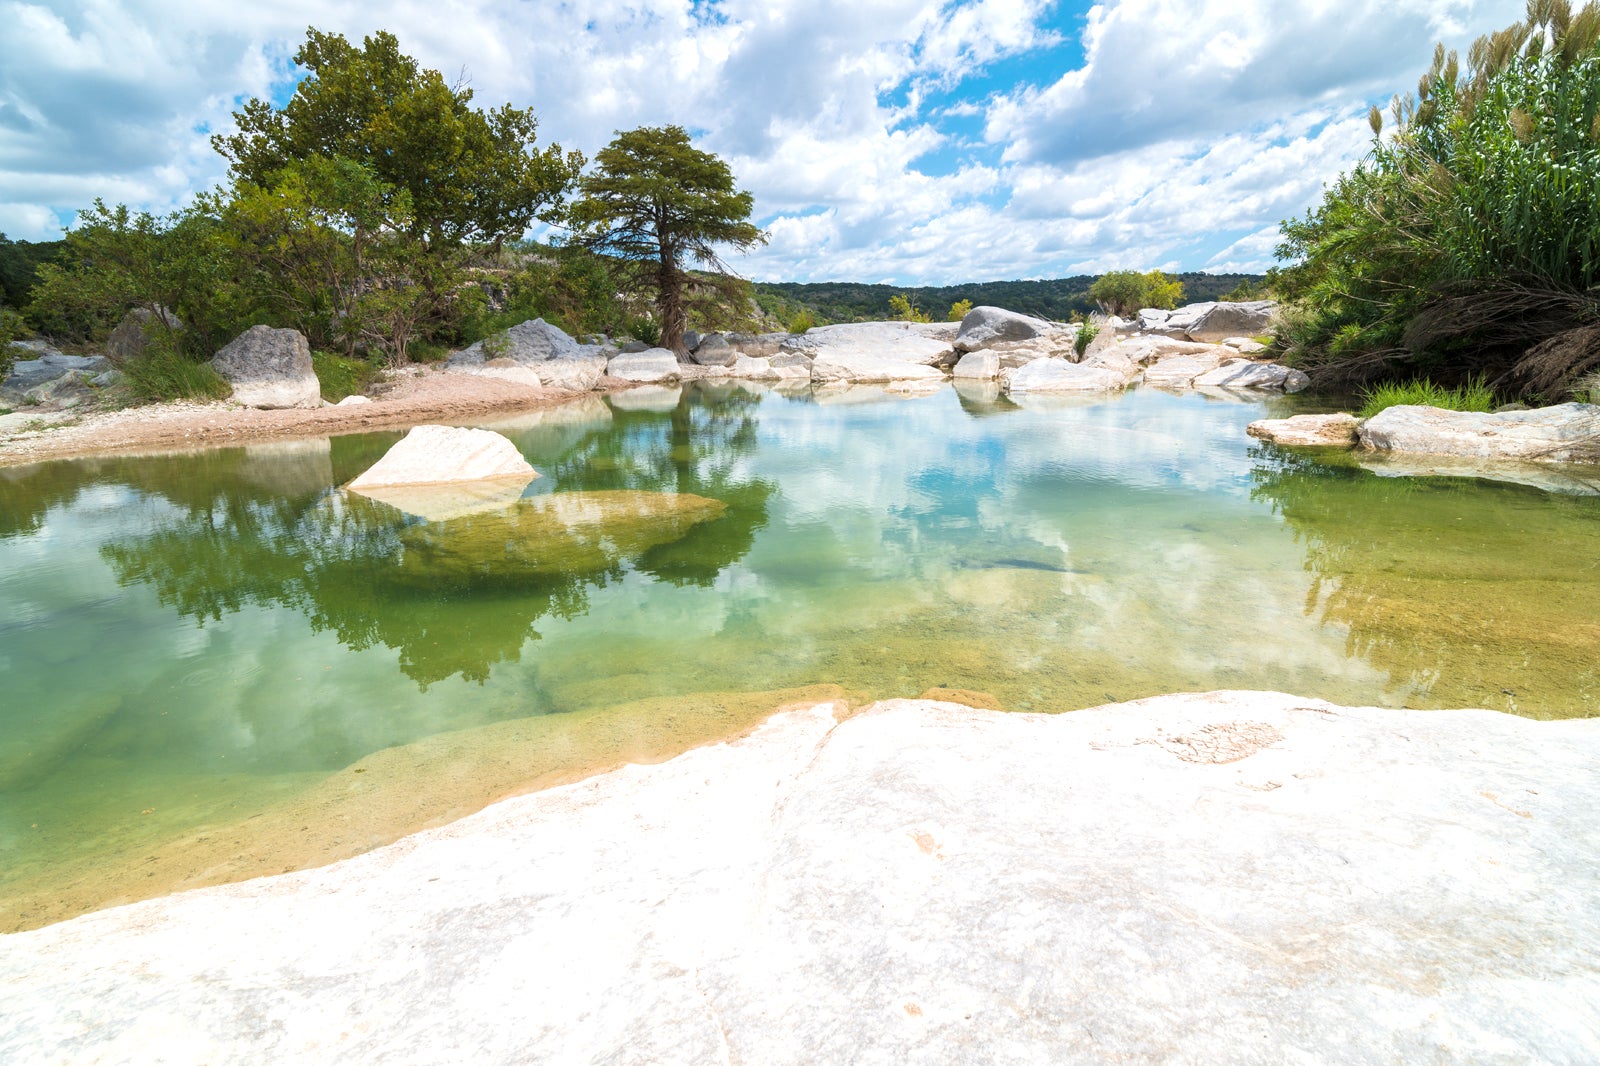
(1472, 395)
(340, 376)
(12, 328)
(466, 174)
(1086, 334)
(1124, 292)
(568, 287)
(656, 203)
(19, 267)
(116, 260)
(1057, 300)
(163, 372)
(802, 321)
(1468, 240)
(901, 309)
(646, 329)
(959, 310)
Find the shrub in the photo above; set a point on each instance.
(341, 376)
(802, 321)
(958, 310)
(12, 328)
(1474, 395)
(905, 311)
(646, 329)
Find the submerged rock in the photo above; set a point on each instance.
(434, 455)
(1568, 432)
(550, 537)
(269, 368)
(1307, 430)
(1226, 877)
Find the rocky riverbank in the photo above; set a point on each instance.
(1240, 877)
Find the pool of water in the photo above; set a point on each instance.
(220, 664)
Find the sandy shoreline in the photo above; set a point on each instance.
(417, 396)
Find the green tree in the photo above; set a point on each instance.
(1468, 240)
(656, 202)
(958, 310)
(467, 175)
(1124, 292)
(903, 310)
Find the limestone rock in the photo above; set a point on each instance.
(656, 365)
(29, 374)
(434, 455)
(1148, 349)
(1244, 345)
(634, 347)
(744, 366)
(526, 343)
(758, 345)
(1219, 321)
(849, 350)
(1308, 430)
(714, 350)
(1244, 374)
(1568, 432)
(269, 368)
(787, 359)
(1180, 371)
(839, 365)
(352, 401)
(1152, 317)
(1058, 375)
(983, 365)
(128, 340)
(983, 326)
(72, 389)
(1225, 877)
(579, 374)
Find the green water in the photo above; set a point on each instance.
(187, 640)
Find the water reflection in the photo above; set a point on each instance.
(666, 496)
(1468, 593)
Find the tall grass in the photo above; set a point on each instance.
(340, 376)
(1474, 395)
(163, 373)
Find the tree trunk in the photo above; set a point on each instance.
(669, 302)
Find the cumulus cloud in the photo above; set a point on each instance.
(1175, 136)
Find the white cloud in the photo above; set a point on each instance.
(1187, 128)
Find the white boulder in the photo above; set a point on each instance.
(1180, 371)
(269, 368)
(984, 326)
(1244, 374)
(653, 366)
(1307, 430)
(1219, 321)
(1568, 432)
(983, 365)
(1058, 375)
(433, 455)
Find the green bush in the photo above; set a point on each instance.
(958, 310)
(802, 321)
(12, 328)
(1474, 395)
(1468, 241)
(340, 376)
(644, 328)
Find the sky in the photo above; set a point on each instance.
(913, 142)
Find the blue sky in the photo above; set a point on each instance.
(907, 141)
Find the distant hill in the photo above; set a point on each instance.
(1059, 298)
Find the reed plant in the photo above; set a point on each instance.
(1472, 395)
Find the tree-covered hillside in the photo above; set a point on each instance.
(1060, 298)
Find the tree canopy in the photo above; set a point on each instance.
(1468, 240)
(466, 174)
(1124, 292)
(656, 201)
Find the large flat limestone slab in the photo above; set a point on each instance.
(1230, 877)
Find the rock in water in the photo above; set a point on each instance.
(1229, 877)
(437, 455)
(1565, 433)
(1244, 374)
(984, 326)
(269, 368)
(1058, 375)
(1307, 430)
(981, 365)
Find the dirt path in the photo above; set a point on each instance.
(416, 396)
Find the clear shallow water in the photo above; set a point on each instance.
(196, 643)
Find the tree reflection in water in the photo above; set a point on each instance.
(666, 494)
(1471, 593)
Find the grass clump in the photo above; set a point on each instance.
(1086, 333)
(164, 374)
(1472, 396)
(340, 376)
